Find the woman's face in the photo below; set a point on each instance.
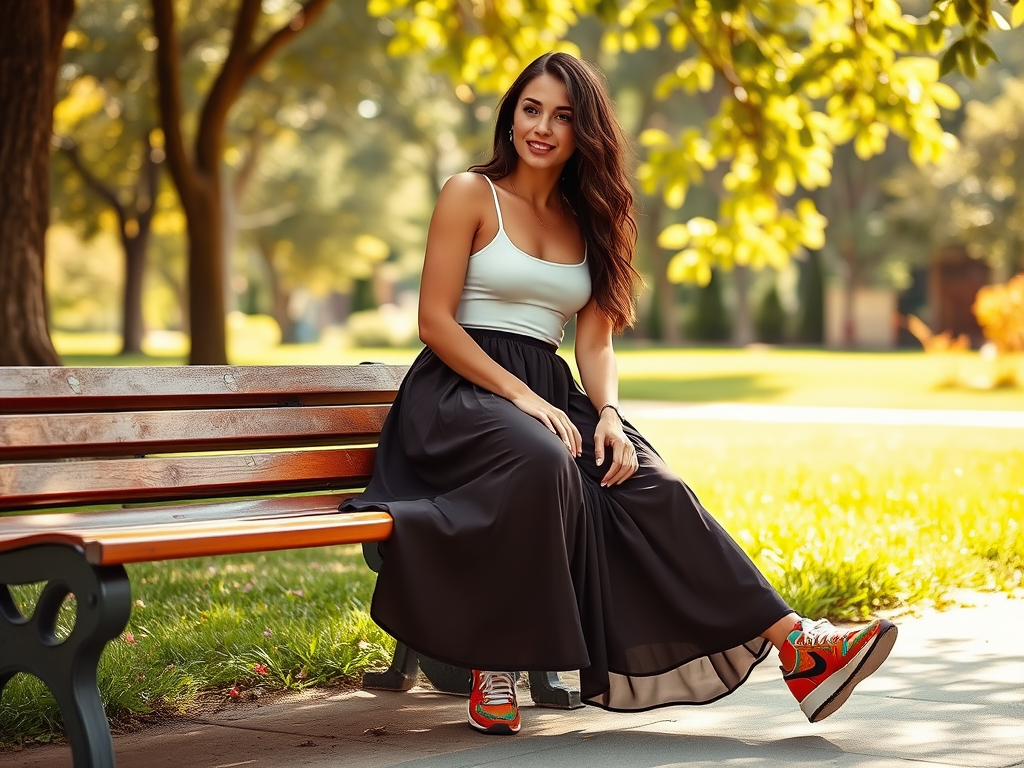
(542, 126)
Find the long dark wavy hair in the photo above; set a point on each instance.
(594, 180)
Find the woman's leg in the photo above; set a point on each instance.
(778, 633)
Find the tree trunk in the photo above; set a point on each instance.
(848, 251)
(812, 301)
(133, 326)
(30, 52)
(664, 289)
(205, 274)
(282, 297)
(743, 324)
(198, 178)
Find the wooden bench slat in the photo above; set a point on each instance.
(47, 389)
(168, 541)
(27, 485)
(131, 433)
(13, 526)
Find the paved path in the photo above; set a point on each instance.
(810, 414)
(951, 695)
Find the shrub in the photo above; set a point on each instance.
(1000, 313)
(709, 321)
(770, 323)
(812, 301)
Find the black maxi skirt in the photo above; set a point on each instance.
(507, 554)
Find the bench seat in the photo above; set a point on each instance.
(167, 533)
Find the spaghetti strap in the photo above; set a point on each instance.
(497, 207)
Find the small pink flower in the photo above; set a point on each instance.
(267, 633)
(129, 638)
(261, 669)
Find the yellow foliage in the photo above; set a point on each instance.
(1017, 17)
(1000, 313)
(372, 248)
(932, 342)
(85, 98)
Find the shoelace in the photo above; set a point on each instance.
(498, 687)
(820, 632)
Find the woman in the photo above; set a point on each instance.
(509, 483)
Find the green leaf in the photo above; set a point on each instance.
(984, 53)
(963, 11)
(965, 54)
(948, 62)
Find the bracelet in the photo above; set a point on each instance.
(614, 408)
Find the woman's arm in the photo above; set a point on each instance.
(599, 374)
(458, 215)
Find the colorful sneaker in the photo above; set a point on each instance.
(822, 664)
(492, 702)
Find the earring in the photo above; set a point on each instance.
(510, 134)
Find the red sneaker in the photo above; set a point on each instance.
(821, 664)
(492, 703)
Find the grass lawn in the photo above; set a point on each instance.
(845, 521)
(814, 377)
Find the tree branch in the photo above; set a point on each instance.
(168, 70)
(225, 89)
(150, 184)
(248, 167)
(306, 15)
(69, 147)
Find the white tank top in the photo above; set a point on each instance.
(507, 289)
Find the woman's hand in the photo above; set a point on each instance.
(552, 418)
(624, 461)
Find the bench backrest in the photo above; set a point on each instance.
(93, 435)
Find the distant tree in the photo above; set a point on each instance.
(105, 126)
(972, 197)
(198, 174)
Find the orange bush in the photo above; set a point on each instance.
(1000, 313)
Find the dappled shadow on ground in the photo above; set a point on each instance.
(700, 389)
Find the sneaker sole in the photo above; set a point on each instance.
(497, 729)
(826, 700)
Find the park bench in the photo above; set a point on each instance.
(182, 462)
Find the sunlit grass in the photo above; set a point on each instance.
(814, 377)
(849, 520)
